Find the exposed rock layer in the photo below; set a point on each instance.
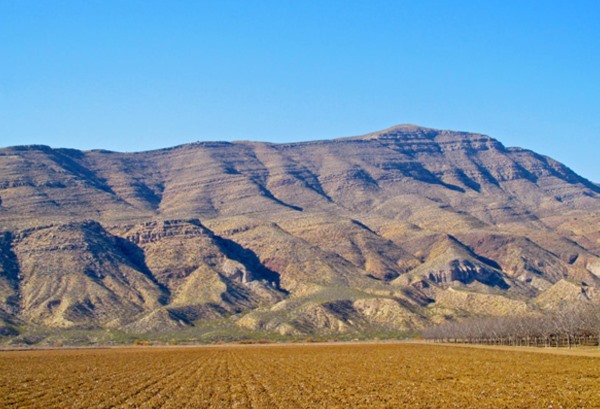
(382, 232)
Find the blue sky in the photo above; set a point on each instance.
(138, 75)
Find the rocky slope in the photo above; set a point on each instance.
(371, 234)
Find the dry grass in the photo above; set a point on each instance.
(305, 376)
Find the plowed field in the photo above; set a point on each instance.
(311, 376)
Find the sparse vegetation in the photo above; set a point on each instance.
(304, 376)
(376, 236)
(577, 324)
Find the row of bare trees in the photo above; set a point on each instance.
(576, 324)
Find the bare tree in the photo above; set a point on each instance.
(569, 324)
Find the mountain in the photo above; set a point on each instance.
(375, 234)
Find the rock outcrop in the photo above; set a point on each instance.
(362, 235)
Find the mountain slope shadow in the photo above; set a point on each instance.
(248, 258)
(136, 259)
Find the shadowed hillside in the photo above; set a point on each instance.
(385, 232)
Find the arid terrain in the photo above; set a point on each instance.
(287, 376)
(377, 235)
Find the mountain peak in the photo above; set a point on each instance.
(373, 233)
(399, 132)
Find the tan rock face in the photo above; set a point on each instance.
(78, 274)
(386, 231)
(388, 313)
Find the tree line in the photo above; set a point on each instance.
(575, 324)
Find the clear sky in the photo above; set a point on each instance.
(135, 75)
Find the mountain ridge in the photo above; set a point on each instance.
(377, 233)
(399, 130)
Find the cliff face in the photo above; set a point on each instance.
(386, 231)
